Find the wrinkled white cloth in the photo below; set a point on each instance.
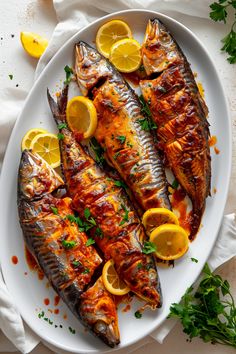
(72, 16)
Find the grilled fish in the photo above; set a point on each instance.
(60, 248)
(180, 113)
(123, 130)
(117, 229)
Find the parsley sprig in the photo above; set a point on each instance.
(219, 12)
(210, 312)
(98, 150)
(146, 123)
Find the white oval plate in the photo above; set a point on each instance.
(27, 291)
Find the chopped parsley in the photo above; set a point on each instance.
(86, 271)
(98, 232)
(145, 109)
(62, 125)
(149, 247)
(60, 136)
(162, 89)
(54, 210)
(69, 72)
(126, 215)
(116, 155)
(120, 184)
(87, 213)
(71, 330)
(90, 242)
(129, 144)
(175, 184)
(10, 76)
(68, 244)
(76, 264)
(138, 314)
(194, 260)
(121, 138)
(139, 266)
(98, 151)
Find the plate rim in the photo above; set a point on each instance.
(227, 174)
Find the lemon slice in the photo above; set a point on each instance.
(111, 280)
(171, 241)
(33, 43)
(29, 136)
(109, 33)
(81, 116)
(125, 55)
(47, 146)
(155, 217)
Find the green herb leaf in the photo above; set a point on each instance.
(194, 260)
(54, 210)
(61, 126)
(120, 184)
(98, 232)
(68, 244)
(10, 76)
(60, 136)
(76, 264)
(90, 242)
(69, 72)
(98, 151)
(116, 155)
(175, 184)
(121, 138)
(149, 247)
(138, 314)
(126, 215)
(86, 213)
(144, 107)
(205, 313)
(220, 12)
(86, 271)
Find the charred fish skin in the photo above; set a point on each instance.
(129, 145)
(180, 114)
(118, 231)
(56, 242)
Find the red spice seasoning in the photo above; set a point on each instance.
(14, 259)
(46, 301)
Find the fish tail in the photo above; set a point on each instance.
(59, 108)
(196, 221)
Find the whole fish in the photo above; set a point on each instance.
(180, 113)
(116, 227)
(60, 248)
(123, 131)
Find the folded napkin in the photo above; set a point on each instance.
(72, 16)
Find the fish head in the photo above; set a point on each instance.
(36, 177)
(91, 68)
(159, 50)
(98, 312)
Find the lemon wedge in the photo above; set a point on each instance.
(81, 116)
(111, 280)
(125, 55)
(33, 43)
(29, 136)
(109, 33)
(171, 241)
(47, 146)
(155, 217)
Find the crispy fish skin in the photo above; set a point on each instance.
(57, 244)
(118, 231)
(180, 114)
(129, 148)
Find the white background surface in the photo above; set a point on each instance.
(38, 16)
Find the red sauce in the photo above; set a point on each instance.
(65, 316)
(32, 264)
(180, 205)
(56, 300)
(14, 259)
(46, 301)
(56, 311)
(126, 308)
(212, 141)
(217, 151)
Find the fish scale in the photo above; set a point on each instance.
(119, 114)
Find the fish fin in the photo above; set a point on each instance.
(58, 108)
